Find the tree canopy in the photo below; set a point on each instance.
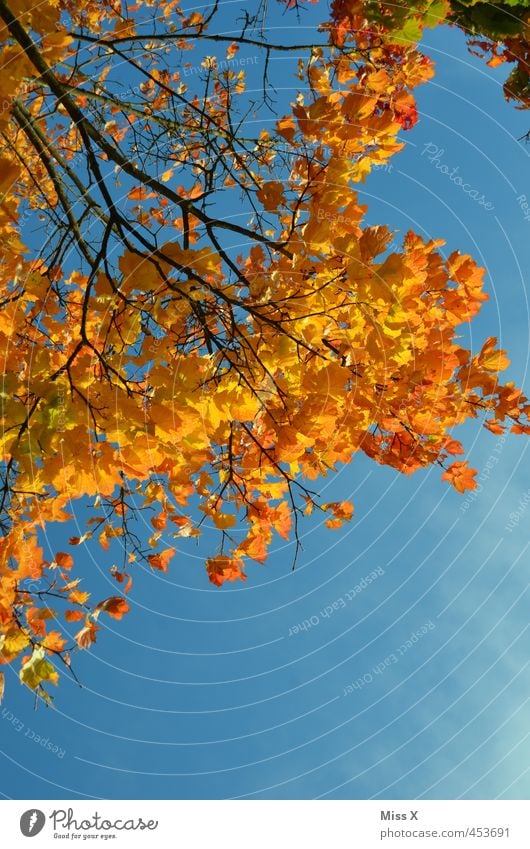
(498, 31)
(194, 317)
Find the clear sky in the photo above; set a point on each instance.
(207, 693)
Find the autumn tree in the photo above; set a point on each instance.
(192, 310)
(497, 31)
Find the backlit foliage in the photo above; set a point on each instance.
(193, 312)
(498, 31)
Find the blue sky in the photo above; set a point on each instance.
(205, 693)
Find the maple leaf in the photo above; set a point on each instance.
(342, 511)
(271, 195)
(493, 426)
(73, 615)
(520, 428)
(160, 521)
(452, 446)
(287, 127)
(160, 561)
(491, 359)
(461, 476)
(223, 568)
(282, 520)
(87, 635)
(115, 606)
(53, 642)
(223, 520)
(78, 597)
(37, 669)
(37, 617)
(255, 545)
(12, 642)
(63, 560)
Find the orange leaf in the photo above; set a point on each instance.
(286, 127)
(87, 635)
(333, 523)
(140, 193)
(271, 195)
(495, 61)
(255, 545)
(519, 428)
(73, 615)
(78, 597)
(460, 475)
(159, 522)
(115, 606)
(54, 642)
(223, 520)
(63, 560)
(160, 561)
(104, 541)
(342, 511)
(452, 446)
(36, 619)
(494, 426)
(120, 577)
(223, 568)
(282, 520)
(40, 613)
(492, 359)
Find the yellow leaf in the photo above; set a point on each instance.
(38, 669)
(78, 597)
(204, 261)
(224, 520)
(13, 642)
